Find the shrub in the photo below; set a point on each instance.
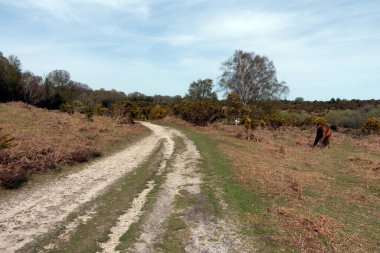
(5, 141)
(200, 112)
(66, 107)
(314, 121)
(234, 108)
(12, 177)
(125, 112)
(176, 109)
(353, 118)
(82, 156)
(262, 123)
(89, 112)
(274, 121)
(295, 118)
(156, 112)
(247, 123)
(78, 106)
(346, 118)
(372, 125)
(99, 109)
(318, 120)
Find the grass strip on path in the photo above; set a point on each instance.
(106, 208)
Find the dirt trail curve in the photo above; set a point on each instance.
(27, 214)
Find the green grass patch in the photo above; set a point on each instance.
(175, 223)
(184, 200)
(128, 237)
(347, 180)
(375, 191)
(313, 193)
(219, 173)
(175, 234)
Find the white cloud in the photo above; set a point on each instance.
(74, 9)
(179, 40)
(138, 7)
(171, 43)
(246, 24)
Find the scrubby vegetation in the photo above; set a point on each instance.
(289, 196)
(253, 100)
(372, 125)
(256, 147)
(248, 96)
(5, 141)
(199, 112)
(35, 140)
(353, 118)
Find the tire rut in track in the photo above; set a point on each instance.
(183, 175)
(133, 214)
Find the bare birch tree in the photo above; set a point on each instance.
(251, 77)
(33, 88)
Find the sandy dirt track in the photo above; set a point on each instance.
(182, 175)
(26, 214)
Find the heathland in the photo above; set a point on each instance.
(83, 170)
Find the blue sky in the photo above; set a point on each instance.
(321, 49)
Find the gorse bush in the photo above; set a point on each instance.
(274, 121)
(314, 121)
(248, 123)
(233, 108)
(318, 120)
(125, 112)
(372, 125)
(66, 107)
(200, 112)
(156, 112)
(99, 109)
(89, 112)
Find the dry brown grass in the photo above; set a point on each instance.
(320, 200)
(369, 143)
(327, 200)
(306, 230)
(44, 140)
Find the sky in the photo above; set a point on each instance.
(320, 48)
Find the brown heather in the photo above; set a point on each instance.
(325, 199)
(319, 200)
(44, 140)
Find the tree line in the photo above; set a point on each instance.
(253, 95)
(50, 91)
